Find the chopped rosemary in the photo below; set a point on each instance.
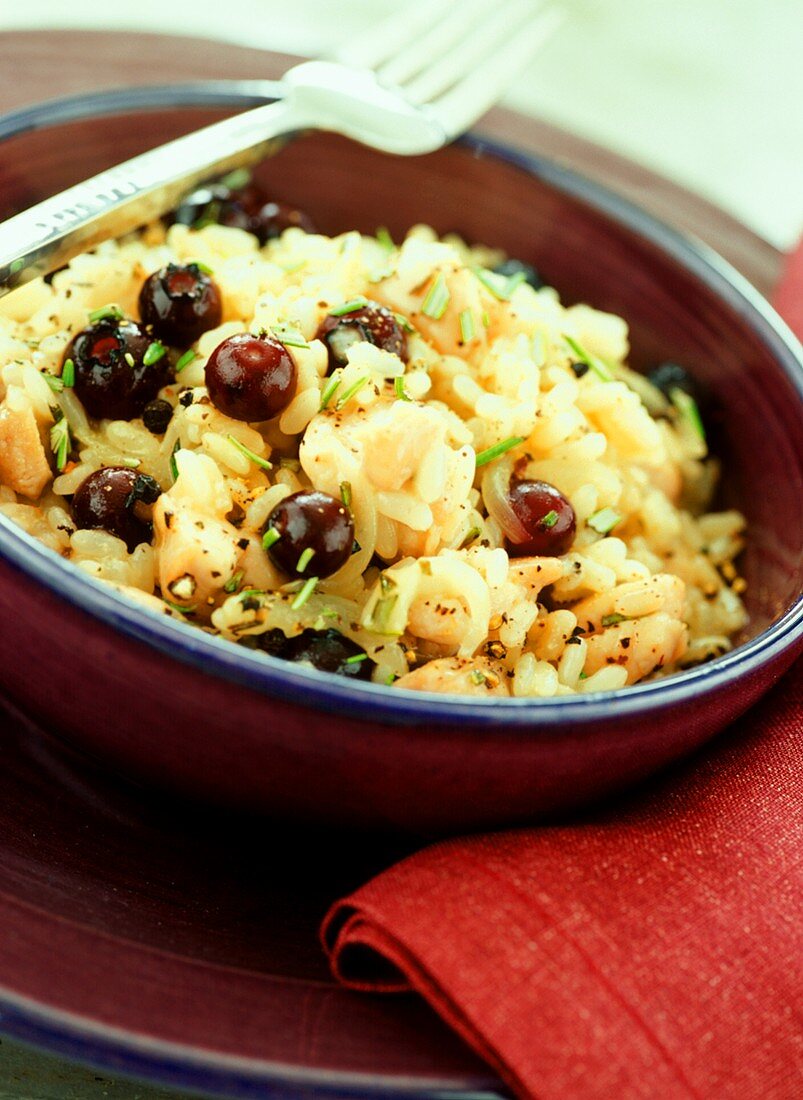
(498, 449)
(353, 390)
(384, 238)
(173, 463)
(54, 382)
(270, 537)
(594, 362)
(129, 358)
(391, 678)
(329, 391)
(478, 677)
(68, 373)
(401, 393)
(501, 286)
(349, 307)
(188, 357)
(304, 594)
(305, 558)
(234, 581)
(471, 534)
(436, 300)
(612, 620)
(583, 676)
(688, 410)
(604, 520)
(357, 659)
(258, 460)
(467, 330)
(178, 607)
(549, 520)
(154, 353)
(205, 268)
(289, 336)
(60, 439)
(345, 493)
(112, 312)
(403, 321)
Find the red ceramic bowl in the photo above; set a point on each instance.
(170, 705)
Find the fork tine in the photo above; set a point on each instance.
(480, 39)
(440, 38)
(382, 40)
(470, 98)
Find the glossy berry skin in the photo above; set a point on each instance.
(107, 500)
(327, 650)
(157, 415)
(372, 323)
(251, 377)
(311, 520)
(179, 303)
(245, 208)
(514, 267)
(111, 379)
(671, 376)
(533, 502)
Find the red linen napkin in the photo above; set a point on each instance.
(653, 951)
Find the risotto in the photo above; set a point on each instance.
(406, 463)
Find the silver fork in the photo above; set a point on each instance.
(407, 85)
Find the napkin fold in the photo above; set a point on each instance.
(653, 950)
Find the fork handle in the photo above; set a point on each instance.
(117, 201)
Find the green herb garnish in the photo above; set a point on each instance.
(112, 312)
(304, 594)
(356, 659)
(255, 458)
(234, 581)
(270, 537)
(498, 449)
(154, 353)
(60, 439)
(353, 390)
(202, 267)
(236, 178)
(331, 387)
(436, 301)
(501, 286)
(549, 520)
(612, 620)
(604, 520)
(405, 324)
(592, 361)
(688, 410)
(471, 534)
(345, 493)
(54, 382)
(129, 358)
(178, 607)
(289, 336)
(305, 558)
(385, 239)
(401, 393)
(68, 373)
(467, 325)
(349, 307)
(173, 463)
(185, 360)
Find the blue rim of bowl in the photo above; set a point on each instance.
(172, 1064)
(306, 687)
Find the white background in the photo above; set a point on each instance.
(709, 92)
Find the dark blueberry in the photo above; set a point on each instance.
(545, 514)
(111, 377)
(157, 415)
(180, 303)
(251, 377)
(311, 521)
(274, 217)
(516, 267)
(218, 204)
(272, 641)
(108, 500)
(372, 323)
(671, 376)
(329, 651)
